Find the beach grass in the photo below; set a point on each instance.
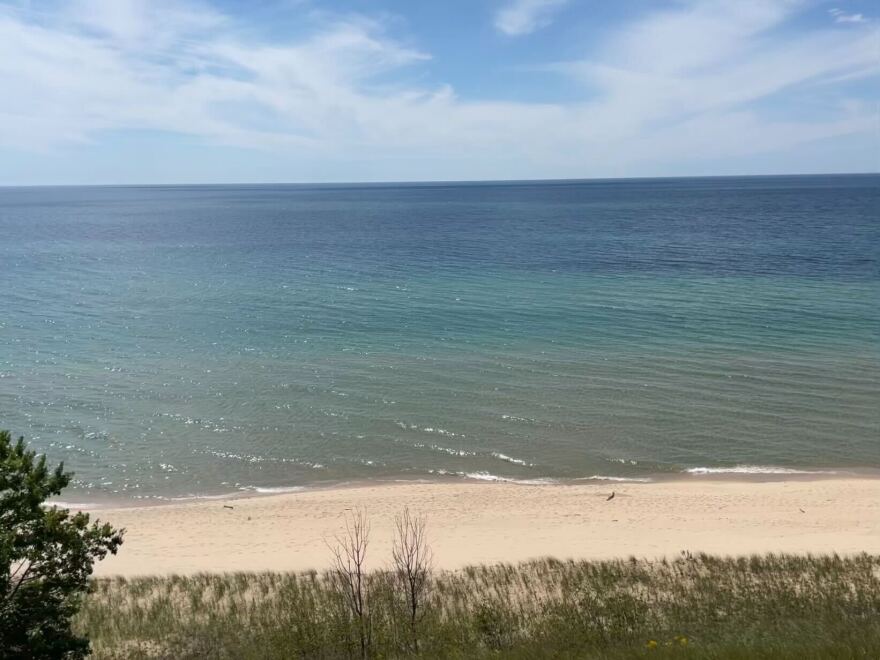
(771, 606)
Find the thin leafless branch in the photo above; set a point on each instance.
(349, 557)
(412, 565)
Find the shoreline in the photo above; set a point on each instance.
(761, 474)
(472, 522)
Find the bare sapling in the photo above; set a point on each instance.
(349, 557)
(412, 565)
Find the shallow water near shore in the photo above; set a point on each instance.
(195, 340)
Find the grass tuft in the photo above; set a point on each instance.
(773, 606)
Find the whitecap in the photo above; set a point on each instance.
(514, 418)
(252, 458)
(603, 477)
(483, 476)
(487, 476)
(188, 498)
(61, 504)
(753, 469)
(446, 450)
(273, 490)
(511, 459)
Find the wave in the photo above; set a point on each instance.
(194, 497)
(254, 458)
(219, 426)
(514, 418)
(603, 477)
(510, 459)
(488, 476)
(61, 504)
(469, 453)
(753, 469)
(483, 476)
(623, 461)
(182, 498)
(69, 446)
(445, 450)
(272, 490)
(428, 429)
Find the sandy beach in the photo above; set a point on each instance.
(504, 522)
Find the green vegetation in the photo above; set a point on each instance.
(693, 607)
(46, 558)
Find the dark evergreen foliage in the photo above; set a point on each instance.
(46, 557)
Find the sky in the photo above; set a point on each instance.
(201, 91)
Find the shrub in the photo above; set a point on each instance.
(46, 557)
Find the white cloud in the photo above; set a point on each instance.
(672, 89)
(841, 16)
(525, 16)
(175, 74)
(137, 22)
(712, 57)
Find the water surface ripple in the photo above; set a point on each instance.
(194, 340)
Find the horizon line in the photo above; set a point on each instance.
(391, 182)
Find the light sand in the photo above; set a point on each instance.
(493, 522)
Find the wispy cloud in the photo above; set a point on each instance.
(142, 22)
(710, 58)
(185, 70)
(525, 16)
(666, 91)
(841, 16)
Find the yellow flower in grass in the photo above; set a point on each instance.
(652, 644)
(682, 640)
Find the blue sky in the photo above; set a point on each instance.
(181, 91)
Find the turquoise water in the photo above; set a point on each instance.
(181, 341)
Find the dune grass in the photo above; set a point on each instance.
(695, 606)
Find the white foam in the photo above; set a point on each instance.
(180, 498)
(188, 498)
(274, 490)
(251, 458)
(445, 450)
(753, 469)
(483, 476)
(71, 505)
(487, 476)
(514, 418)
(428, 429)
(465, 452)
(510, 459)
(602, 477)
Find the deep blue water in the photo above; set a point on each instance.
(168, 341)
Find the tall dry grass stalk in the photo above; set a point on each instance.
(694, 606)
